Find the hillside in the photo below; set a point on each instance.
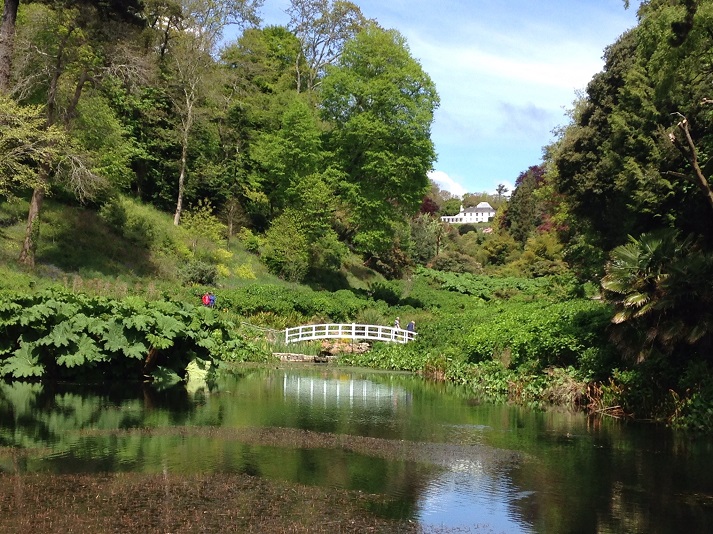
(145, 255)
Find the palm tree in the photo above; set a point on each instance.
(661, 287)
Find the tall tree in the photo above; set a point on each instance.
(63, 54)
(197, 33)
(258, 93)
(26, 144)
(380, 105)
(7, 42)
(323, 27)
(524, 212)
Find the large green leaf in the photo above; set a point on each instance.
(168, 327)
(61, 335)
(114, 337)
(24, 363)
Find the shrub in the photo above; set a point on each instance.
(249, 240)
(389, 292)
(199, 272)
(543, 334)
(456, 262)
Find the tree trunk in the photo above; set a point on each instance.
(32, 230)
(7, 43)
(700, 179)
(186, 128)
(181, 182)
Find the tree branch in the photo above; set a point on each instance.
(689, 150)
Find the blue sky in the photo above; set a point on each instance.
(506, 72)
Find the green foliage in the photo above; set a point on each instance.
(256, 299)
(389, 292)
(389, 356)
(524, 211)
(249, 240)
(426, 233)
(454, 261)
(660, 285)
(55, 334)
(26, 143)
(499, 249)
(285, 248)
(372, 316)
(542, 256)
(144, 226)
(201, 221)
(489, 287)
(543, 334)
(111, 150)
(199, 273)
(380, 105)
(327, 253)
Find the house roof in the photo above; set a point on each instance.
(480, 208)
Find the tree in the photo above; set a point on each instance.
(7, 42)
(26, 144)
(660, 285)
(524, 212)
(63, 54)
(197, 32)
(286, 248)
(289, 154)
(501, 190)
(379, 104)
(323, 27)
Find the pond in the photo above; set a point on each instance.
(422, 456)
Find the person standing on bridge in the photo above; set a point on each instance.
(397, 323)
(411, 327)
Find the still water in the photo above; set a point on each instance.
(438, 456)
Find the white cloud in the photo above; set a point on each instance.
(446, 182)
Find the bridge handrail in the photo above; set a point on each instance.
(348, 331)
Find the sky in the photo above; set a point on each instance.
(506, 72)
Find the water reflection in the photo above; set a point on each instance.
(344, 390)
(435, 454)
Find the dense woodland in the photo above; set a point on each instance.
(310, 144)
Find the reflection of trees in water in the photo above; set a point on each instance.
(36, 416)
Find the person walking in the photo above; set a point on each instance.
(411, 327)
(397, 323)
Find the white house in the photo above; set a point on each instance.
(483, 212)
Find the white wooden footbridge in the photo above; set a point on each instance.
(348, 331)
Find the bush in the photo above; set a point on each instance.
(199, 273)
(249, 240)
(389, 292)
(456, 262)
(285, 249)
(549, 334)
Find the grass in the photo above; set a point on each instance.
(79, 250)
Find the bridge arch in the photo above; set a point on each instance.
(354, 331)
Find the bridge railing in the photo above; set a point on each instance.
(348, 331)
